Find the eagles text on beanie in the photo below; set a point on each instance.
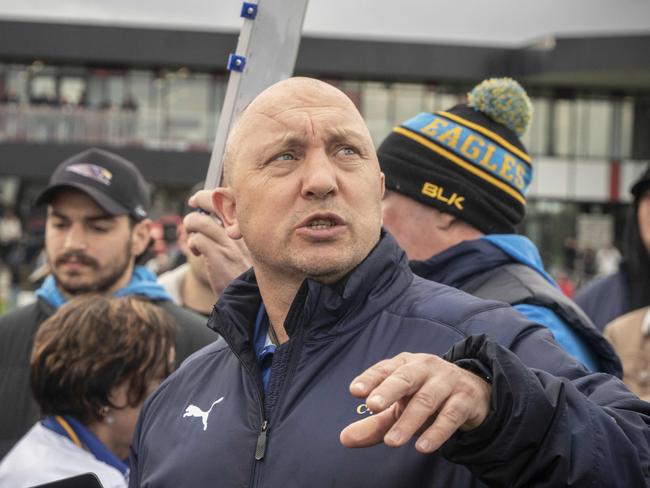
(467, 161)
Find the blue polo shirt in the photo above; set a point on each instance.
(264, 348)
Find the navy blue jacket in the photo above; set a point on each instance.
(508, 268)
(551, 423)
(605, 298)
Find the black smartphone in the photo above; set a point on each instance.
(86, 480)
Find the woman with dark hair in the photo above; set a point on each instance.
(629, 288)
(93, 364)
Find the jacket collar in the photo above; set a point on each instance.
(318, 309)
(454, 265)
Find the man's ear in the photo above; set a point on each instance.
(444, 221)
(225, 206)
(141, 235)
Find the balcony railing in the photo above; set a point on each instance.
(113, 126)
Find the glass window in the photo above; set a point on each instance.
(43, 89)
(114, 90)
(72, 89)
(94, 91)
(564, 128)
(187, 102)
(138, 88)
(375, 109)
(627, 126)
(445, 101)
(15, 81)
(409, 100)
(536, 138)
(216, 94)
(594, 135)
(429, 98)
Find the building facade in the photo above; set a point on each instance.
(154, 96)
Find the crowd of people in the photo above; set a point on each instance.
(354, 317)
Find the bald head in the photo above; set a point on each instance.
(298, 92)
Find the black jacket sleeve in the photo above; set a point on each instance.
(547, 430)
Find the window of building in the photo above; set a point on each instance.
(536, 139)
(187, 107)
(594, 127)
(375, 105)
(408, 100)
(627, 126)
(565, 128)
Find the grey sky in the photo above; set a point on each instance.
(497, 22)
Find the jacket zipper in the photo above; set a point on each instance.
(260, 449)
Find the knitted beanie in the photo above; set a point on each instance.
(467, 161)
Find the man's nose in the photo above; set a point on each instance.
(75, 237)
(320, 178)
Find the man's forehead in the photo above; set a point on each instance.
(304, 121)
(72, 202)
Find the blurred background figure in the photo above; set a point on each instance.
(93, 364)
(166, 254)
(11, 232)
(630, 336)
(608, 260)
(189, 284)
(629, 287)
(565, 283)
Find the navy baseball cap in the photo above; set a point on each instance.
(113, 182)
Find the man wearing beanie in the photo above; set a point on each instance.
(96, 230)
(456, 183)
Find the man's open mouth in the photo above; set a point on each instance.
(318, 224)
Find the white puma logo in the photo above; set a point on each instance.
(194, 411)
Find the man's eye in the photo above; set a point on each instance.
(285, 157)
(99, 228)
(59, 225)
(348, 151)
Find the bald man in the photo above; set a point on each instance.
(331, 343)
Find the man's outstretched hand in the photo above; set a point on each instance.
(417, 394)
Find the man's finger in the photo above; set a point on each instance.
(369, 431)
(367, 381)
(199, 223)
(199, 244)
(202, 199)
(419, 412)
(401, 383)
(452, 415)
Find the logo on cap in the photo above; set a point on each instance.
(140, 212)
(92, 171)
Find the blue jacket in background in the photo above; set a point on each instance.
(605, 299)
(459, 265)
(551, 423)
